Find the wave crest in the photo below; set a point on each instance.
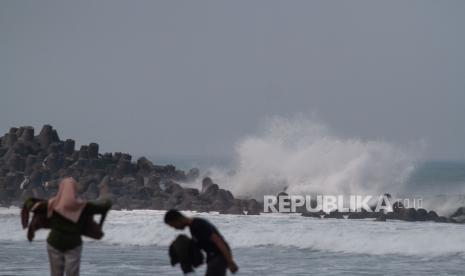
(302, 156)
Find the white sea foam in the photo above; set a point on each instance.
(301, 156)
(146, 228)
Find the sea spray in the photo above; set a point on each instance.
(301, 156)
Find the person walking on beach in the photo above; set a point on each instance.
(67, 215)
(209, 239)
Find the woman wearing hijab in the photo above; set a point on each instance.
(67, 214)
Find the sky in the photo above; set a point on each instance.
(194, 77)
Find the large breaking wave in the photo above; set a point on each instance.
(299, 155)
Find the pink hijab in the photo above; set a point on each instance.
(66, 202)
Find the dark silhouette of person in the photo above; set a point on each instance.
(209, 239)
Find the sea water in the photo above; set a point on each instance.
(136, 243)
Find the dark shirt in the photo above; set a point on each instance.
(201, 232)
(65, 234)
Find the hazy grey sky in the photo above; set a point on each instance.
(192, 77)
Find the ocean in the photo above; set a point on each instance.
(136, 243)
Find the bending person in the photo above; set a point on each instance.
(209, 239)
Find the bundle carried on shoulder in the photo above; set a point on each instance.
(40, 220)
